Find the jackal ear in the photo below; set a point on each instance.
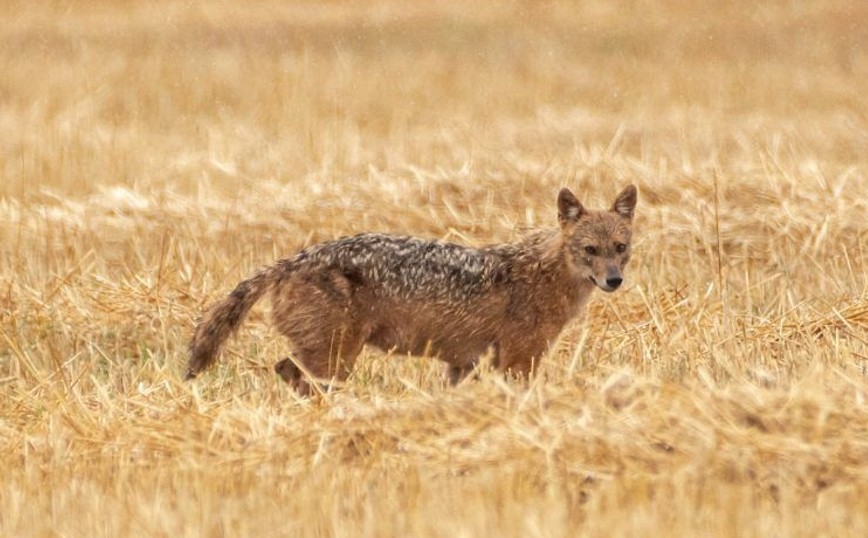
(625, 203)
(569, 207)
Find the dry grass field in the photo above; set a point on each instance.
(154, 153)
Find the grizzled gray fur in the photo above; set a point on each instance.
(428, 297)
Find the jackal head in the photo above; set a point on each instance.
(597, 243)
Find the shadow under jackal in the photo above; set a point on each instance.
(420, 297)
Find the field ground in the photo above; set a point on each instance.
(153, 154)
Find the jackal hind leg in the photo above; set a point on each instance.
(315, 313)
(330, 361)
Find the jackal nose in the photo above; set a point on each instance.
(614, 282)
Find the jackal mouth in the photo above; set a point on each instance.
(605, 287)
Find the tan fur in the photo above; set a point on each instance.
(428, 297)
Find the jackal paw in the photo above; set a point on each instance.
(457, 374)
(288, 371)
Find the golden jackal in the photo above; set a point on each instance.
(418, 296)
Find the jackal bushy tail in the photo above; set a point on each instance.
(223, 319)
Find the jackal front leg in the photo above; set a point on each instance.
(519, 358)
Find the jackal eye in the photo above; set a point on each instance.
(620, 247)
(591, 251)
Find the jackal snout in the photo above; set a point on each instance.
(609, 277)
(613, 279)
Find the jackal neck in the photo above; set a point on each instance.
(540, 260)
(539, 254)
